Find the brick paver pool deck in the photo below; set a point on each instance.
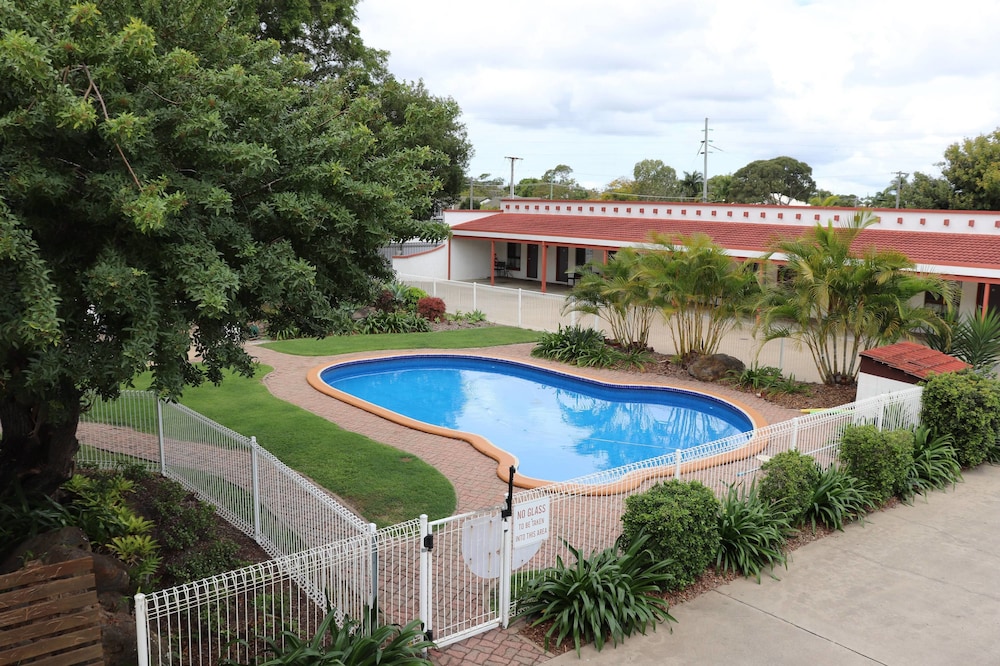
(472, 473)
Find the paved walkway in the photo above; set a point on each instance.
(917, 584)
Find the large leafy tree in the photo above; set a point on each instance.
(839, 298)
(972, 167)
(653, 178)
(703, 293)
(775, 181)
(166, 178)
(324, 33)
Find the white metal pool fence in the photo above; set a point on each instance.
(527, 308)
(245, 483)
(458, 575)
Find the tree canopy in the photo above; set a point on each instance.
(972, 167)
(774, 181)
(167, 177)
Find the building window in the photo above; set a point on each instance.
(513, 256)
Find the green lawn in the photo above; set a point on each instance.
(487, 336)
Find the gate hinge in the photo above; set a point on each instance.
(429, 542)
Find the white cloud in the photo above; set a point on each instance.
(857, 89)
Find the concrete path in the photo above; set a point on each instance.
(917, 584)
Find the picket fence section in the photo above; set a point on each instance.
(457, 575)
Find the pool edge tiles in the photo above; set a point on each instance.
(505, 459)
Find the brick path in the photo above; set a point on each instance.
(472, 473)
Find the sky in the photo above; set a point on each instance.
(856, 89)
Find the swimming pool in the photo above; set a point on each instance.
(554, 426)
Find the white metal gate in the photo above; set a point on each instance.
(463, 577)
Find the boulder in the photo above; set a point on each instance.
(714, 367)
(62, 545)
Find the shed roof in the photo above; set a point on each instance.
(915, 359)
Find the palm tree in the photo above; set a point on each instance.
(702, 291)
(691, 184)
(839, 303)
(612, 292)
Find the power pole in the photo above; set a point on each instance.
(512, 160)
(899, 184)
(705, 147)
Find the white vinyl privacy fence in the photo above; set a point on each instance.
(456, 575)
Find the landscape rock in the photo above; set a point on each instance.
(62, 545)
(715, 367)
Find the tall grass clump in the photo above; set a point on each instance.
(610, 594)
(752, 532)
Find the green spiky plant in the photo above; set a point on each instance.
(610, 594)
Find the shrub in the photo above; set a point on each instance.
(573, 344)
(205, 561)
(879, 459)
(758, 377)
(609, 594)
(334, 644)
(789, 479)
(393, 322)
(965, 405)
(935, 461)
(836, 498)
(25, 515)
(431, 308)
(752, 532)
(682, 521)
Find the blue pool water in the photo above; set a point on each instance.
(559, 427)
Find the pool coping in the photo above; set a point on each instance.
(505, 460)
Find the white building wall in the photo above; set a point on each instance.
(470, 259)
(430, 264)
(946, 221)
(870, 386)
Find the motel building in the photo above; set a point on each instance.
(546, 241)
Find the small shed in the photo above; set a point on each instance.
(900, 366)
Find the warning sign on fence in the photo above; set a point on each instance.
(531, 522)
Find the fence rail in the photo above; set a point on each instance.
(247, 485)
(526, 308)
(454, 574)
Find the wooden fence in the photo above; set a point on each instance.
(49, 614)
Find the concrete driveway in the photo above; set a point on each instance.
(916, 584)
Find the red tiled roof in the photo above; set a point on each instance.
(921, 247)
(914, 359)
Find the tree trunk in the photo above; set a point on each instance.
(36, 449)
